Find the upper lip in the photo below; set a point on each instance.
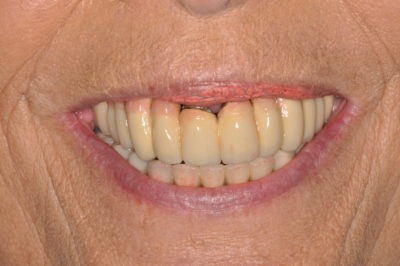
(223, 198)
(209, 93)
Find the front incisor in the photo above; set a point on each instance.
(166, 131)
(186, 175)
(212, 176)
(237, 173)
(139, 122)
(237, 133)
(199, 133)
(269, 125)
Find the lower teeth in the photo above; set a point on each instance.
(206, 176)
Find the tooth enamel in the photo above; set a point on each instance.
(237, 133)
(185, 175)
(199, 133)
(160, 171)
(212, 176)
(122, 151)
(269, 124)
(282, 158)
(166, 131)
(112, 125)
(138, 163)
(185, 146)
(122, 126)
(100, 117)
(237, 173)
(293, 124)
(261, 167)
(309, 119)
(139, 122)
(320, 114)
(105, 138)
(328, 102)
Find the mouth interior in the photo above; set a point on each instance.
(219, 145)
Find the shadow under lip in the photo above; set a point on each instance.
(141, 188)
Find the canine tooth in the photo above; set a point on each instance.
(100, 116)
(139, 123)
(237, 133)
(328, 102)
(122, 125)
(212, 176)
(293, 124)
(269, 124)
(112, 125)
(138, 163)
(166, 131)
(282, 158)
(122, 151)
(309, 119)
(185, 175)
(261, 167)
(199, 134)
(160, 171)
(237, 173)
(320, 114)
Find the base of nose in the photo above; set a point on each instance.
(204, 7)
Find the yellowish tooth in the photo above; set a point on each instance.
(160, 171)
(269, 124)
(185, 175)
(320, 114)
(100, 117)
(199, 133)
(309, 119)
(112, 125)
(139, 122)
(328, 102)
(105, 138)
(293, 123)
(237, 133)
(237, 173)
(282, 158)
(122, 125)
(261, 167)
(122, 151)
(212, 176)
(138, 163)
(166, 131)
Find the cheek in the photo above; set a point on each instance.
(26, 27)
(381, 21)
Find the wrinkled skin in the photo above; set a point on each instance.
(55, 209)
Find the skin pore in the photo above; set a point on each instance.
(58, 57)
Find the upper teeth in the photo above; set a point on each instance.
(239, 136)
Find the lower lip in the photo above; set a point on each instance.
(312, 157)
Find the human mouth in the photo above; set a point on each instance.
(196, 155)
(237, 142)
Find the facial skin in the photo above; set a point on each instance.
(59, 56)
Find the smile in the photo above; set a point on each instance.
(205, 153)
